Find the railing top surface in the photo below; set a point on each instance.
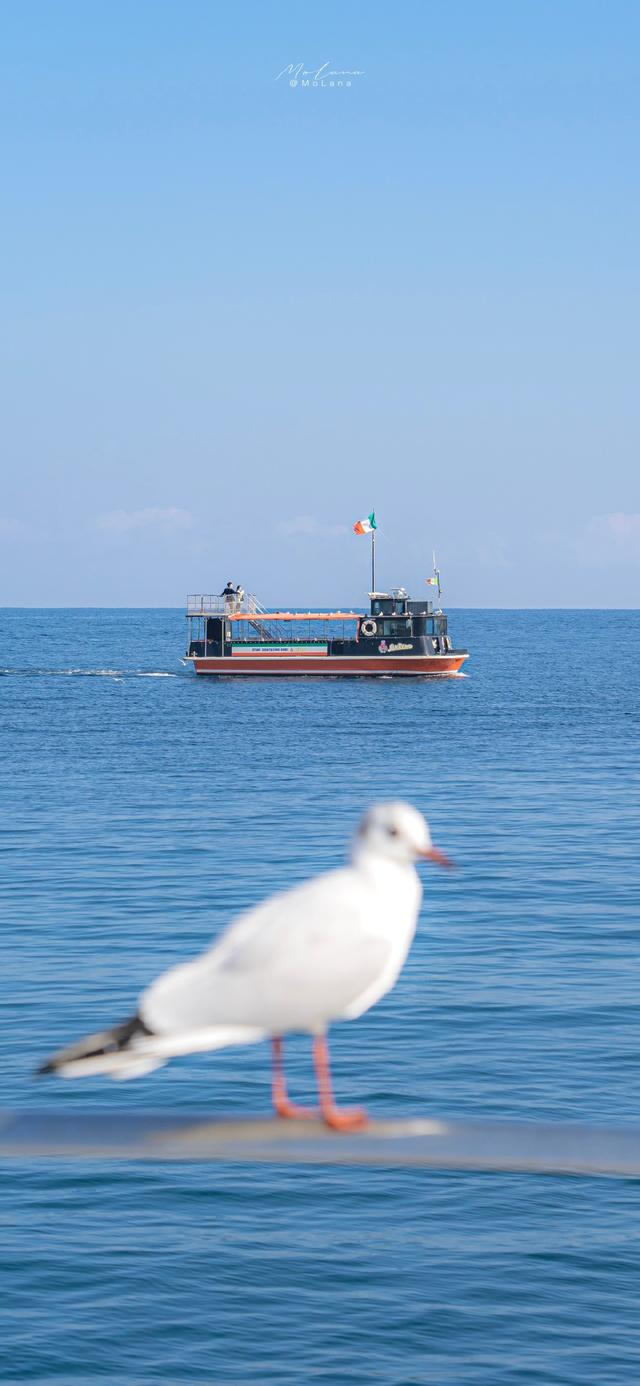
(558, 1148)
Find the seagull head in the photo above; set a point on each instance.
(397, 832)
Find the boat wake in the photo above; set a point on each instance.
(117, 674)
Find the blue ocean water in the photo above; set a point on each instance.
(141, 808)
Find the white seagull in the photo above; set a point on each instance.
(326, 950)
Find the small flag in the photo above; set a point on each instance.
(435, 580)
(366, 526)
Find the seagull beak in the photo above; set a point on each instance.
(434, 854)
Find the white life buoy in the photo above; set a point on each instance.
(369, 628)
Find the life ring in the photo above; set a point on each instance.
(369, 628)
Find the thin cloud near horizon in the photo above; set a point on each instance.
(151, 517)
(309, 526)
(604, 541)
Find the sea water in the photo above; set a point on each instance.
(141, 809)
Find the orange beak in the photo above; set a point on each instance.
(434, 854)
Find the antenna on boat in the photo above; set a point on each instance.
(435, 580)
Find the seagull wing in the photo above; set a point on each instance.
(296, 962)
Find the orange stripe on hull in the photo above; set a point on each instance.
(329, 664)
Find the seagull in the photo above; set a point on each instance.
(322, 951)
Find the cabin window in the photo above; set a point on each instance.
(394, 629)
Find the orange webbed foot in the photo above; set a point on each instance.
(289, 1111)
(345, 1119)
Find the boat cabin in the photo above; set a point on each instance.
(394, 616)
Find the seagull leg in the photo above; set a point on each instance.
(352, 1119)
(279, 1096)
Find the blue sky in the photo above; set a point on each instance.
(238, 314)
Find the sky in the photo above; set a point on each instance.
(239, 314)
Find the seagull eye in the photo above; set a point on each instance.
(393, 832)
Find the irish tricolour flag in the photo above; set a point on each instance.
(366, 526)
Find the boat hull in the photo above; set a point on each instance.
(332, 666)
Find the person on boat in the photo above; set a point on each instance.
(229, 594)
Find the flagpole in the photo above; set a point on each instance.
(373, 560)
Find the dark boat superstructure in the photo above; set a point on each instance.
(398, 636)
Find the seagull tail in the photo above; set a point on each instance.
(119, 1052)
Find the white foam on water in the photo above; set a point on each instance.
(65, 673)
(117, 674)
(87, 673)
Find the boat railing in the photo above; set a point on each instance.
(209, 604)
(255, 608)
(205, 604)
(265, 624)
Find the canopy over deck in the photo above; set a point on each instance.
(295, 616)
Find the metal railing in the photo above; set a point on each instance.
(527, 1147)
(255, 607)
(205, 604)
(208, 604)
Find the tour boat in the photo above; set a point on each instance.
(233, 635)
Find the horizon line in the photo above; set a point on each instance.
(356, 609)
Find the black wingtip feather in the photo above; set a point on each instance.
(42, 1069)
(107, 1042)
